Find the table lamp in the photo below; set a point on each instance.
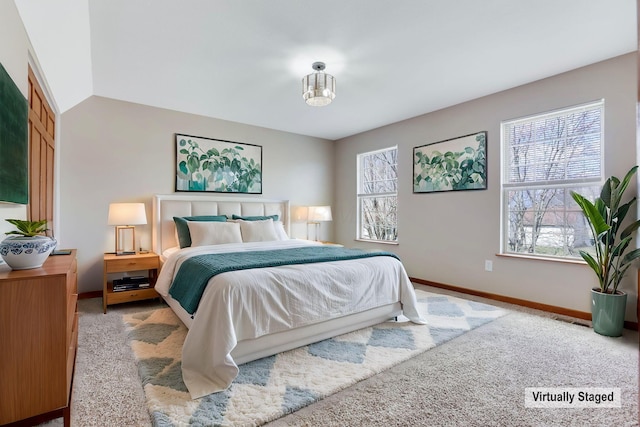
(125, 216)
(318, 214)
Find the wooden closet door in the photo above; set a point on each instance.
(41, 154)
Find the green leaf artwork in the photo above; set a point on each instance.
(205, 164)
(454, 164)
(14, 142)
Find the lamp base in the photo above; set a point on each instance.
(316, 236)
(125, 240)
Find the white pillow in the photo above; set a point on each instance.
(279, 226)
(258, 231)
(214, 233)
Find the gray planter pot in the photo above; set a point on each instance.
(607, 312)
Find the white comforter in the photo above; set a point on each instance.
(251, 303)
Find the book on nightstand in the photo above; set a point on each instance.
(130, 283)
(130, 287)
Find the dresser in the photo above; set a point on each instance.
(39, 336)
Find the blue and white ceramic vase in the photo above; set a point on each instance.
(22, 253)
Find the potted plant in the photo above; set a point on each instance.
(27, 247)
(611, 260)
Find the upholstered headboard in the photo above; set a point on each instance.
(165, 207)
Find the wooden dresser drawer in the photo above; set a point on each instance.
(71, 355)
(72, 278)
(72, 313)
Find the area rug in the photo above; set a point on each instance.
(274, 386)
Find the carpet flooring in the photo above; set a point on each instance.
(271, 387)
(476, 379)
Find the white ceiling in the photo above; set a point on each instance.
(244, 60)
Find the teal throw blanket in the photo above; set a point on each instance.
(194, 273)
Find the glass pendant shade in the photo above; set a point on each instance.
(319, 88)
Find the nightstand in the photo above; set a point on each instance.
(126, 264)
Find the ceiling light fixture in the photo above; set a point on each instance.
(319, 88)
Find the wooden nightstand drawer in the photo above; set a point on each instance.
(131, 264)
(129, 296)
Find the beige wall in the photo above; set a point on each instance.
(116, 151)
(446, 237)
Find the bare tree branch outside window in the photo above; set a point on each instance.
(548, 157)
(377, 195)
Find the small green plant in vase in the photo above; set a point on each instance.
(28, 228)
(27, 247)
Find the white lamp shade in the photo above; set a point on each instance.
(127, 214)
(319, 213)
(299, 213)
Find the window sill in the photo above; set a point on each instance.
(542, 258)
(384, 242)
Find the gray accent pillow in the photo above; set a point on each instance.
(255, 218)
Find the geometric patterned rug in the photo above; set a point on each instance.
(268, 388)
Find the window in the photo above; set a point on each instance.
(545, 157)
(378, 195)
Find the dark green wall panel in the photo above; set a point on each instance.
(14, 148)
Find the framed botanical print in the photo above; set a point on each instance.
(216, 165)
(451, 165)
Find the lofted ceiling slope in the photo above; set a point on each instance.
(244, 60)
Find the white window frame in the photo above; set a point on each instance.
(361, 196)
(507, 186)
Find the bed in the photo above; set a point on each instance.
(257, 312)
